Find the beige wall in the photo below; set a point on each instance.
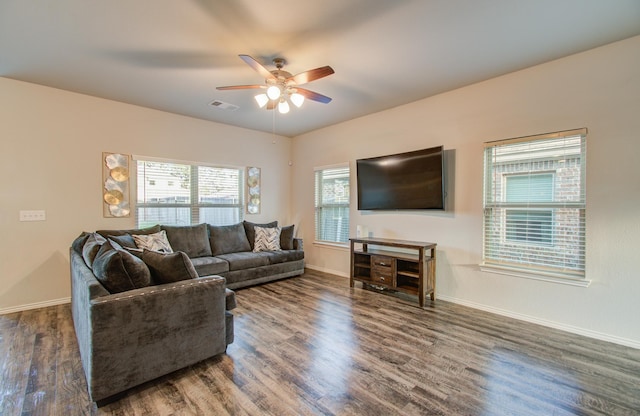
(598, 89)
(51, 142)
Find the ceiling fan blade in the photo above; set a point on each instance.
(257, 67)
(313, 95)
(271, 105)
(311, 75)
(241, 87)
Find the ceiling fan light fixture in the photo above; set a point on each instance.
(274, 92)
(283, 107)
(297, 99)
(262, 100)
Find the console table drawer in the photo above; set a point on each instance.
(382, 276)
(381, 261)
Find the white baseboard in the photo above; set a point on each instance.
(35, 305)
(568, 328)
(323, 270)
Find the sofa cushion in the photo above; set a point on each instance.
(228, 239)
(91, 246)
(250, 232)
(206, 266)
(138, 231)
(119, 270)
(192, 239)
(154, 242)
(284, 256)
(286, 237)
(245, 260)
(267, 239)
(124, 240)
(169, 267)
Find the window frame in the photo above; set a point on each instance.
(539, 155)
(319, 206)
(194, 205)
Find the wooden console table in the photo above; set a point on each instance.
(413, 273)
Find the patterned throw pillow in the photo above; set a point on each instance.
(267, 239)
(154, 242)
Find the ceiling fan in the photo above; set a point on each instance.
(281, 86)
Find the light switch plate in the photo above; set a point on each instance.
(33, 215)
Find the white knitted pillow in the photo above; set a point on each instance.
(154, 242)
(267, 239)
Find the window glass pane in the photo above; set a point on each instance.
(530, 188)
(148, 217)
(221, 215)
(530, 226)
(334, 223)
(166, 183)
(218, 185)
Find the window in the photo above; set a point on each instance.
(535, 203)
(183, 194)
(332, 204)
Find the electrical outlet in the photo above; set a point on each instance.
(37, 215)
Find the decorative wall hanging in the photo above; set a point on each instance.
(115, 191)
(253, 190)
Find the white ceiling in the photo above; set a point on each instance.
(170, 55)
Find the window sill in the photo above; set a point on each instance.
(327, 244)
(535, 276)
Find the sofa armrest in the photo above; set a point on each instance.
(230, 299)
(298, 244)
(145, 333)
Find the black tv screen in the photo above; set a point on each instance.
(411, 181)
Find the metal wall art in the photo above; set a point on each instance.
(115, 191)
(253, 190)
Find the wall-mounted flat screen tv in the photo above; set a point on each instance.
(404, 181)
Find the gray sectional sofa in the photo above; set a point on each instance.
(140, 314)
(227, 251)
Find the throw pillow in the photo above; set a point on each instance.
(153, 242)
(91, 247)
(228, 239)
(251, 234)
(132, 250)
(78, 243)
(192, 239)
(124, 240)
(267, 239)
(169, 267)
(286, 237)
(119, 270)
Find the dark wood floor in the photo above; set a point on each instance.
(313, 346)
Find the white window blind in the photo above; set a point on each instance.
(535, 203)
(332, 204)
(182, 194)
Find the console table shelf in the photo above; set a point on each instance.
(413, 273)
